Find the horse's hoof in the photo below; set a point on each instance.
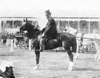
(75, 58)
(70, 69)
(36, 67)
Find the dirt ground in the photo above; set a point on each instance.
(52, 64)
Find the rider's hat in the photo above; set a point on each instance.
(47, 12)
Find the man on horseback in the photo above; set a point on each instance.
(49, 32)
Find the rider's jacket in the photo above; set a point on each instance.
(51, 29)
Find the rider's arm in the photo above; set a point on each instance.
(48, 26)
(47, 29)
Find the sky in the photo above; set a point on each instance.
(59, 8)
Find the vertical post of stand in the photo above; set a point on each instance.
(89, 30)
(29, 44)
(8, 42)
(0, 27)
(78, 25)
(15, 46)
(58, 26)
(12, 46)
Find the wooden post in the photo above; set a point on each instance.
(30, 44)
(0, 27)
(8, 42)
(68, 25)
(99, 24)
(78, 25)
(89, 27)
(58, 26)
(15, 46)
(12, 46)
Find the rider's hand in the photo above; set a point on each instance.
(40, 36)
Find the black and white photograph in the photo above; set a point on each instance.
(49, 39)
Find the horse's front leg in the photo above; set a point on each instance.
(70, 67)
(37, 54)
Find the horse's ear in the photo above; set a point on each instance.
(11, 67)
(7, 68)
(26, 20)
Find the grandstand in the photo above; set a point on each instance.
(14, 22)
(82, 24)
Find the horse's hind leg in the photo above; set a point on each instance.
(71, 60)
(37, 53)
(77, 50)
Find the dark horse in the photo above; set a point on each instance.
(65, 40)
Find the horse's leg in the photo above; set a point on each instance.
(71, 60)
(37, 53)
(77, 50)
(96, 55)
(97, 49)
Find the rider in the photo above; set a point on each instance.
(50, 31)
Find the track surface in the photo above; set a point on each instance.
(52, 64)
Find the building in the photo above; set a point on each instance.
(82, 24)
(14, 22)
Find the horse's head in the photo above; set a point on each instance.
(25, 27)
(31, 29)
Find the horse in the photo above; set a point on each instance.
(65, 40)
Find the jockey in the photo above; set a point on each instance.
(50, 31)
